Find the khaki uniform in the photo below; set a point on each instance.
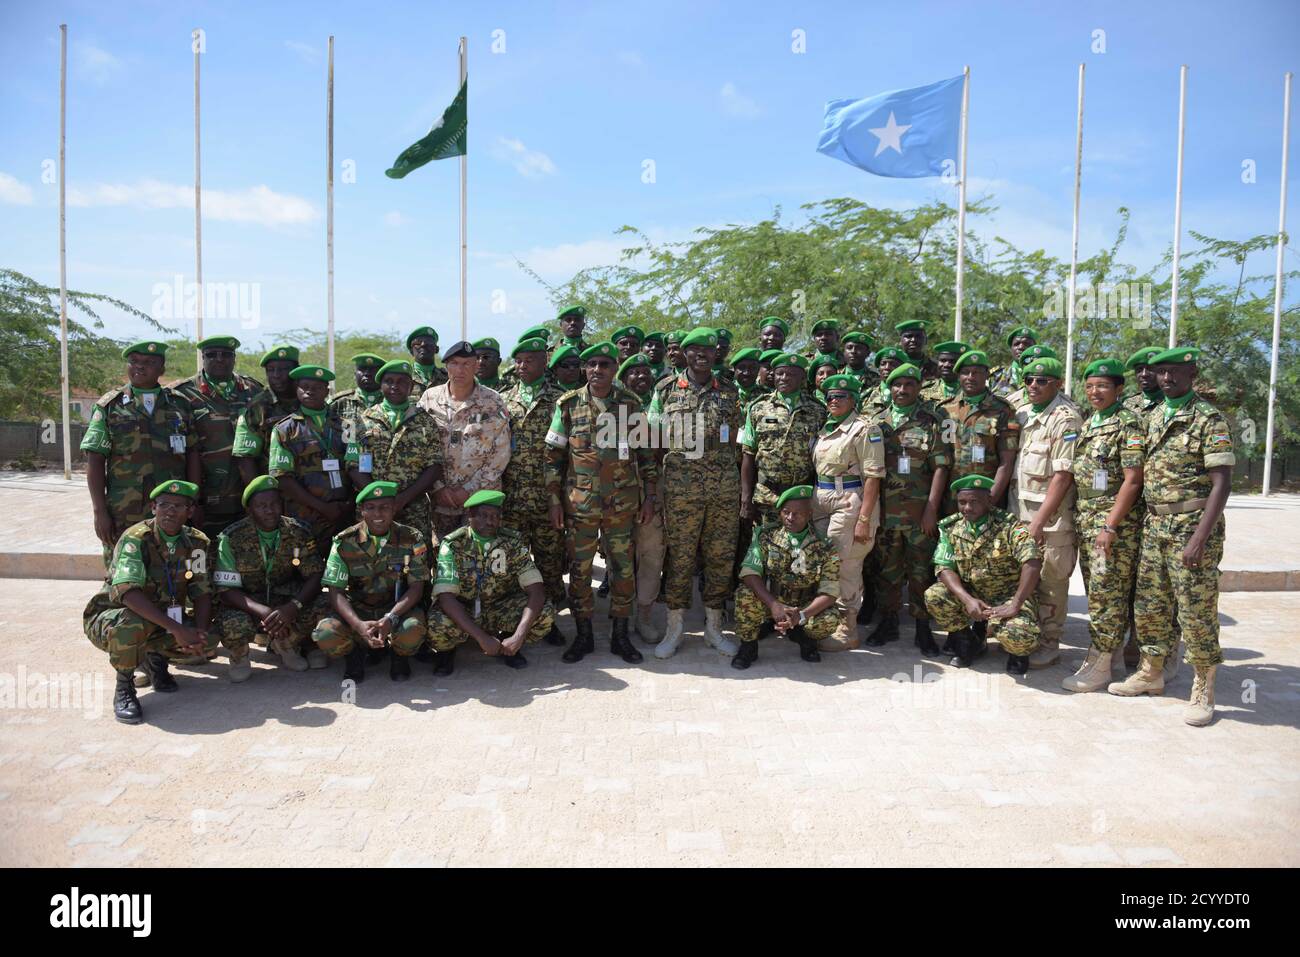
(475, 436)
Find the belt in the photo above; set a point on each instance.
(776, 488)
(1177, 508)
(838, 482)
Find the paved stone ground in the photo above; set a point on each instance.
(684, 762)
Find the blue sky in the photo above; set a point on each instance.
(562, 120)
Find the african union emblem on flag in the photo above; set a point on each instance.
(445, 140)
(899, 133)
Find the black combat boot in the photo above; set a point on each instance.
(584, 643)
(444, 662)
(516, 661)
(868, 609)
(807, 646)
(619, 643)
(425, 654)
(981, 629)
(126, 706)
(354, 665)
(886, 631)
(603, 590)
(162, 679)
(746, 656)
(374, 655)
(399, 667)
(555, 636)
(925, 639)
(1017, 665)
(959, 646)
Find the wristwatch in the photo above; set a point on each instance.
(392, 619)
(803, 617)
(296, 603)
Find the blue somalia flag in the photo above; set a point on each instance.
(900, 133)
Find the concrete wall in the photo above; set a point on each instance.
(23, 439)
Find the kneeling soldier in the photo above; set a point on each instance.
(376, 574)
(988, 567)
(792, 579)
(486, 585)
(159, 566)
(268, 580)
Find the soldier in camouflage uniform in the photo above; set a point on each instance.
(654, 347)
(777, 440)
(422, 344)
(826, 340)
(488, 353)
(676, 358)
(1007, 379)
(1108, 459)
(601, 479)
(268, 409)
(744, 368)
(628, 340)
(565, 368)
(912, 339)
(573, 320)
(510, 377)
(987, 564)
(876, 400)
(1019, 399)
(821, 368)
(351, 404)
(945, 386)
(375, 575)
(857, 348)
(917, 460)
(1147, 397)
(139, 435)
(772, 334)
(487, 588)
(699, 421)
(985, 431)
(637, 376)
(218, 397)
(791, 576)
(721, 367)
(268, 580)
(159, 568)
(1187, 478)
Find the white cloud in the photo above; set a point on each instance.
(735, 103)
(96, 63)
(306, 52)
(14, 192)
(530, 164)
(394, 218)
(257, 204)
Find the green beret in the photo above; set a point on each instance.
(263, 483)
(1019, 332)
(890, 352)
(954, 347)
(791, 359)
(536, 332)
(849, 383)
(422, 331)
(700, 336)
(905, 371)
(606, 350)
(1106, 367)
(487, 342)
(975, 357)
(485, 496)
(218, 342)
(528, 345)
(146, 348)
(770, 354)
(574, 309)
(367, 360)
(911, 324)
(277, 353)
(675, 337)
(862, 337)
(560, 355)
(743, 355)
(833, 324)
(378, 490)
(175, 487)
(724, 335)
(775, 321)
(312, 372)
(635, 331)
(656, 336)
(794, 493)
(980, 482)
(1175, 356)
(1047, 367)
(398, 366)
(636, 359)
(1142, 357)
(824, 359)
(1037, 352)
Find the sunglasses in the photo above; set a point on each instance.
(1038, 379)
(835, 396)
(218, 353)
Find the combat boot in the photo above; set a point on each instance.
(241, 669)
(1046, 654)
(1200, 707)
(1017, 665)
(354, 665)
(868, 609)
(289, 655)
(925, 639)
(1172, 661)
(746, 656)
(886, 631)
(673, 636)
(1093, 674)
(713, 636)
(126, 706)
(142, 677)
(555, 636)
(444, 662)
(966, 647)
(621, 645)
(603, 590)
(645, 626)
(807, 646)
(1148, 679)
(845, 637)
(162, 679)
(584, 643)
(399, 667)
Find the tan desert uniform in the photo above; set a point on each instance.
(1047, 441)
(475, 437)
(844, 455)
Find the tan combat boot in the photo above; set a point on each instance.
(1093, 674)
(289, 655)
(1172, 660)
(1148, 679)
(645, 626)
(241, 668)
(845, 637)
(1200, 707)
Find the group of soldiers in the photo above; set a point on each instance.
(439, 504)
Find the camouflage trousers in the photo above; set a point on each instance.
(1017, 636)
(336, 639)
(751, 616)
(1172, 599)
(649, 541)
(496, 618)
(238, 628)
(126, 637)
(1109, 584)
(612, 530)
(701, 514)
(906, 554)
(531, 518)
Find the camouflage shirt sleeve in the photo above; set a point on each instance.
(940, 451)
(247, 444)
(96, 438)
(1133, 444)
(944, 559)
(525, 571)
(830, 574)
(1216, 441)
(280, 461)
(227, 575)
(1023, 547)
(446, 579)
(336, 569)
(755, 561)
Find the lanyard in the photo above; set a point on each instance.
(268, 560)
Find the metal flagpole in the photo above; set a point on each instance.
(1178, 207)
(961, 199)
(1277, 286)
(329, 208)
(464, 245)
(1074, 243)
(198, 204)
(63, 250)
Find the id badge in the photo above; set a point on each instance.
(478, 608)
(367, 463)
(1100, 480)
(623, 452)
(336, 480)
(724, 433)
(904, 465)
(174, 613)
(329, 465)
(178, 443)
(977, 453)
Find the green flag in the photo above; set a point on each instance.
(446, 139)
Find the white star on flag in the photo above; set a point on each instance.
(890, 135)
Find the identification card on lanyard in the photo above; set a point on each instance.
(177, 443)
(977, 453)
(724, 433)
(331, 468)
(174, 613)
(904, 465)
(1100, 480)
(623, 451)
(367, 463)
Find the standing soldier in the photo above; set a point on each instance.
(637, 376)
(826, 337)
(510, 377)
(573, 320)
(1007, 379)
(985, 431)
(351, 404)
(1188, 476)
(1147, 397)
(628, 339)
(945, 386)
(654, 347)
(595, 476)
(744, 365)
(1108, 460)
(772, 334)
(268, 580)
(139, 435)
(777, 440)
(912, 339)
(269, 407)
(488, 353)
(721, 368)
(876, 400)
(422, 344)
(566, 368)
(765, 358)
(474, 428)
(857, 348)
(917, 460)
(530, 403)
(822, 367)
(791, 576)
(375, 574)
(674, 354)
(1043, 494)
